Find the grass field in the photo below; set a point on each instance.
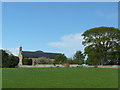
(60, 78)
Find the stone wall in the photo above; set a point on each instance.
(71, 65)
(101, 66)
(35, 59)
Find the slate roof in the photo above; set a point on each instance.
(28, 54)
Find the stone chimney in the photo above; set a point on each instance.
(20, 56)
(20, 50)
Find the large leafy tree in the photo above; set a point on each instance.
(9, 60)
(79, 56)
(100, 42)
(60, 58)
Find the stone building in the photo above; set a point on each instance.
(34, 55)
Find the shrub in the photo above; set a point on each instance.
(9, 60)
(43, 60)
(74, 61)
(25, 61)
(59, 59)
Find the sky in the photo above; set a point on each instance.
(53, 26)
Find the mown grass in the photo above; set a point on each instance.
(60, 78)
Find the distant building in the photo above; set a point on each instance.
(34, 55)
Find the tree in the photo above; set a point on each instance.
(60, 58)
(94, 56)
(86, 61)
(9, 60)
(79, 56)
(100, 41)
(114, 56)
(39, 51)
(14, 60)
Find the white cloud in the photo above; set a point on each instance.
(14, 51)
(69, 44)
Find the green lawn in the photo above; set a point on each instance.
(60, 78)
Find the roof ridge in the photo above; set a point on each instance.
(31, 54)
(41, 52)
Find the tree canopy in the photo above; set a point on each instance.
(39, 51)
(79, 56)
(9, 60)
(100, 42)
(60, 58)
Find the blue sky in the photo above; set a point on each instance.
(53, 27)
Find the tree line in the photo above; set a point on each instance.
(102, 47)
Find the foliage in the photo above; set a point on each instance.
(74, 61)
(43, 60)
(25, 61)
(99, 42)
(79, 56)
(9, 60)
(110, 62)
(77, 62)
(39, 51)
(113, 57)
(94, 56)
(60, 58)
(86, 61)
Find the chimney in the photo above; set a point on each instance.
(20, 56)
(20, 49)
